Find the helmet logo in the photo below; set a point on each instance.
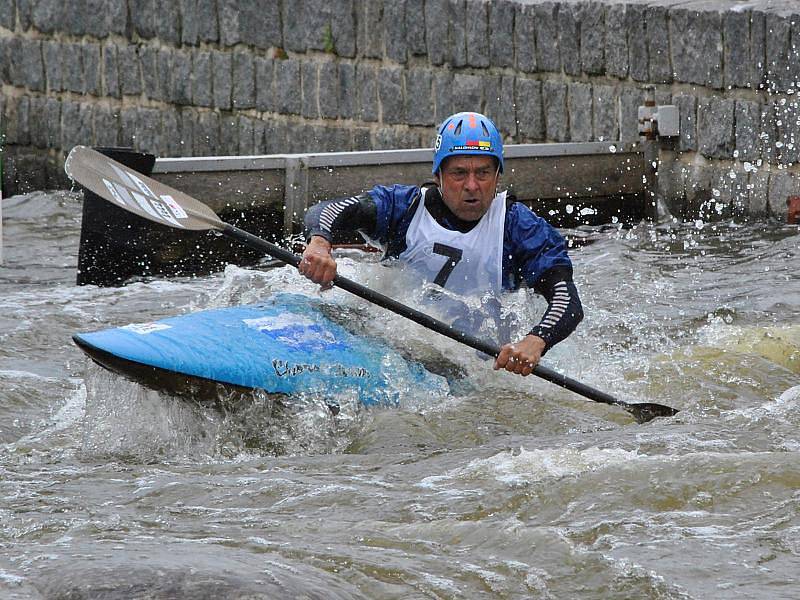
(438, 143)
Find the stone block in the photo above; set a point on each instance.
(167, 23)
(23, 14)
(276, 137)
(16, 122)
(310, 86)
(415, 27)
(188, 120)
(500, 103)
(181, 88)
(74, 22)
(758, 193)
(748, 128)
(659, 65)
(36, 121)
(8, 14)
(143, 17)
(687, 114)
(246, 136)
(501, 33)
(630, 99)
(228, 134)
(638, 56)
(758, 50)
(477, 33)
(116, 15)
(419, 108)
(569, 37)
(367, 92)
(779, 52)
(343, 26)
(457, 32)
(468, 93)
(244, 80)
(265, 96)
(72, 67)
(390, 138)
(547, 50)
(168, 70)
(92, 82)
(346, 90)
(769, 132)
(208, 22)
(787, 115)
(51, 52)
(52, 122)
(129, 70)
(442, 95)
(782, 184)
(390, 91)
(190, 22)
(201, 79)
(530, 115)
(149, 62)
(605, 114)
(47, 16)
(106, 125)
(696, 46)
(253, 23)
(149, 135)
(328, 90)
(222, 79)
(579, 103)
(76, 125)
(436, 17)
(715, 127)
(294, 33)
(525, 38)
(128, 124)
(288, 94)
(370, 29)
(362, 139)
(394, 24)
(555, 111)
(593, 33)
(6, 57)
(30, 68)
(171, 133)
(111, 83)
(334, 139)
(737, 67)
(616, 41)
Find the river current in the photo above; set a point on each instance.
(506, 488)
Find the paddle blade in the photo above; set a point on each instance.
(138, 193)
(647, 411)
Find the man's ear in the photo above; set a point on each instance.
(437, 179)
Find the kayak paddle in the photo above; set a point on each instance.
(157, 202)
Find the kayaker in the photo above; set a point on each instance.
(460, 234)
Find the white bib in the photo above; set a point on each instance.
(464, 263)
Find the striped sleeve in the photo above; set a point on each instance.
(334, 218)
(564, 309)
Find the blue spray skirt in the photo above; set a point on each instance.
(284, 345)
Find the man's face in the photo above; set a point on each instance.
(468, 185)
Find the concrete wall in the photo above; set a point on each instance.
(204, 77)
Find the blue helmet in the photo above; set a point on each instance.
(467, 133)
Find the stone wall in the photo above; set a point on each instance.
(204, 77)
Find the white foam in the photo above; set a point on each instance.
(528, 466)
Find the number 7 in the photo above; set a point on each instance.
(454, 257)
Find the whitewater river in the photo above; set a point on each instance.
(503, 488)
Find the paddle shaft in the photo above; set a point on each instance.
(420, 317)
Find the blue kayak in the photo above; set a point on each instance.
(284, 345)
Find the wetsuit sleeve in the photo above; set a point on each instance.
(376, 214)
(333, 218)
(564, 308)
(537, 254)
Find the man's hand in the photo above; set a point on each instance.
(317, 263)
(521, 357)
